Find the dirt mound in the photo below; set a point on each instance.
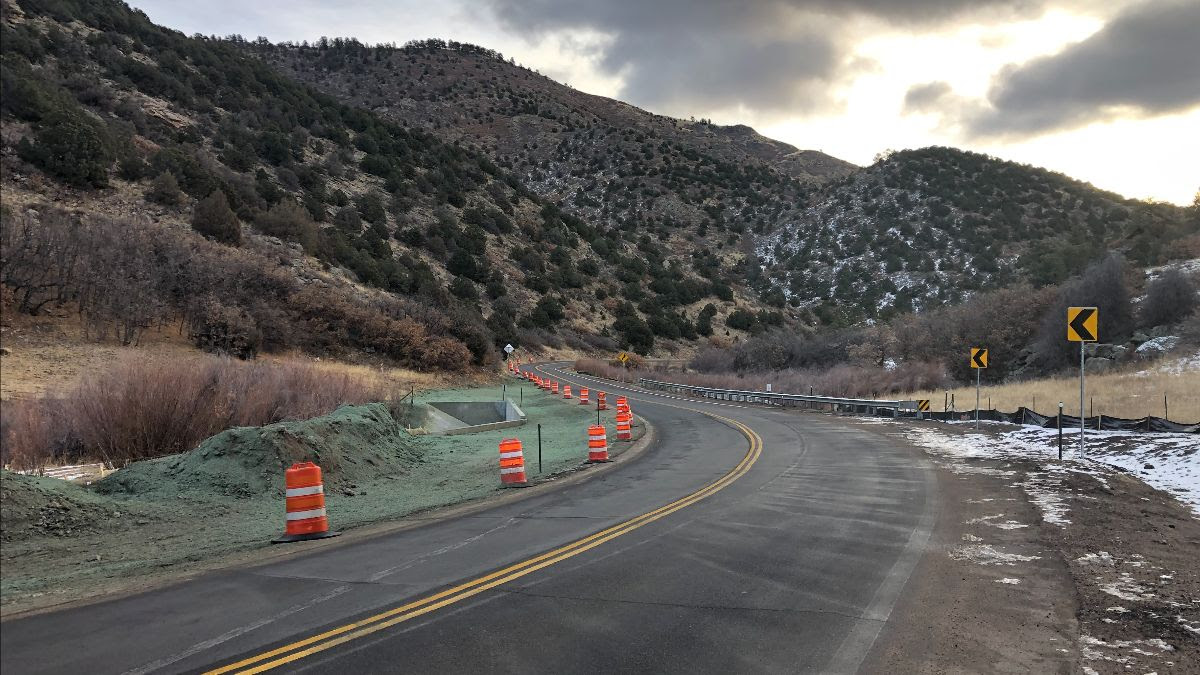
(351, 444)
(34, 505)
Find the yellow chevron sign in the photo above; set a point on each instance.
(979, 357)
(1083, 324)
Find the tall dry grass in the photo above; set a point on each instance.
(1127, 395)
(140, 408)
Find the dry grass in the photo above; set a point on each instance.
(49, 354)
(1127, 395)
(142, 407)
(1133, 394)
(388, 378)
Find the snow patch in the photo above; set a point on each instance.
(1158, 345)
(1169, 462)
(1125, 588)
(1186, 364)
(1102, 558)
(1188, 626)
(1091, 648)
(987, 520)
(986, 554)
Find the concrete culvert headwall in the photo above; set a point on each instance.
(464, 417)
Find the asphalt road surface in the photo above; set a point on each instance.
(744, 539)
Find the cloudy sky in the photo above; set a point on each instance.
(1103, 90)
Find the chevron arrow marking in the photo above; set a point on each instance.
(1082, 324)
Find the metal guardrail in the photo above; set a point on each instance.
(770, 397)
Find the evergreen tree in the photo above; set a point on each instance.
(213, 218)
(164, 189)
(71, 146)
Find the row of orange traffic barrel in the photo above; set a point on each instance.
(512, 459)
(304, 490)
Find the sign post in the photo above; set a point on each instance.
(1082, 326)
(979, 361)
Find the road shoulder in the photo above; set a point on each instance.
(1043, 567)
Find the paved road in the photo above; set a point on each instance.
(760, 541)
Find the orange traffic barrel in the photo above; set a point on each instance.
(512, 463)
(583, 396)
(566, 391)
(554, 387)
(305, 502)
(597, 444)
(624, 428)
(622, 403)
(601, 404)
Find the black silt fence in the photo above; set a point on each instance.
(1024, 415)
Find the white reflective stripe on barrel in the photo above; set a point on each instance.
(304, 515)
(510, 455)
(305, 491)
(512, 469)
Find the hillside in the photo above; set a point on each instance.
(466, 92)
(689, 183)
(923, 228)
(920, 228)
(126, 121)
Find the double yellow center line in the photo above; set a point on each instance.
(352, 631)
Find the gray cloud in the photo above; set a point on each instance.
(776, 57)
(1145, 62)
(926, 97)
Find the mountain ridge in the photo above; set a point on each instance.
(349, 53)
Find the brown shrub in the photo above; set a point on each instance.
(1169, 298)
(445, 354)
(139, 409)
(226, 330)
(33, 433)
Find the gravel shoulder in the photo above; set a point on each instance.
(1040, 566)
